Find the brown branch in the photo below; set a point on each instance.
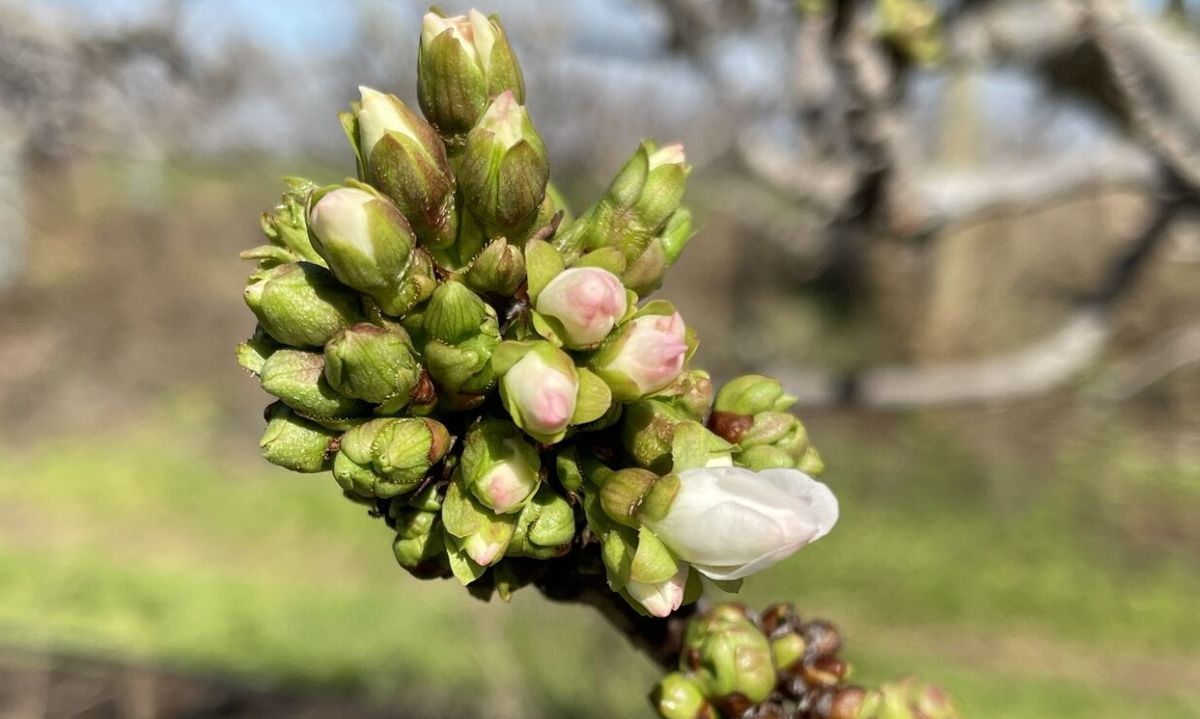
(579, 578)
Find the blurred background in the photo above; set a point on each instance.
(964, 232)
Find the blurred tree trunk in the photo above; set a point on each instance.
(12, 204)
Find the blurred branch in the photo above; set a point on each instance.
(1038, 368)
(1179, 349)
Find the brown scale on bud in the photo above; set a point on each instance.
(823, 638)
(824, 671)
(730, 426)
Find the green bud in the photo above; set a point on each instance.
(457, 258)
(373, 364)
(455, 313)
(498, 270)
(287, 225)
(749, 411)
(678, 697)
(545, 528)
(301, 304)
(463, 63)
(633, 215)
(751, 394)
(647, 431)
(787, 649)
(644, 274)
(499, 466)
(295, 443)
(623, 493)
(731, 656)
(504, 169)
(462, 332)
(481, 536)
(369, 246)
(420, 544)
(298, 378)
(691, 394)
(389, 456)
(567, 469)
(252, 354)
(404, 157)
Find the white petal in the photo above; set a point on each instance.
(663, 598)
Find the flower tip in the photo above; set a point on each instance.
(668, 155)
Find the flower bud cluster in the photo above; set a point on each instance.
(736, 663)
(484, 372)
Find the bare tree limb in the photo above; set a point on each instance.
(1179, 349)
(1036, 369)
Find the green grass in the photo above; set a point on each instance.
(141, 546)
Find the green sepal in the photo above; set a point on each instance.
(811, 463)
(657, 501)
(465, 569)
(732, 586)
(542, 264)
(349, 123)
(652, 561)
(606, 258)
(269, 255)
(295, 443)
(594, 397)
(298, 378)
(252, 353)
(689, 446)
(508, 353)
(566, 469)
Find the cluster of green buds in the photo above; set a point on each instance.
(484, 371)
(773, 665)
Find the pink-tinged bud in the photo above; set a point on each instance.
(542, 395)
(499, 466)
(662, 598)
(669, 155)
(647, 357)
(587, 301)
(460, 26)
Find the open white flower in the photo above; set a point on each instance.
(730, 522)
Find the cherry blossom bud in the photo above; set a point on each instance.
(504, 170)
(464, 62)
(662, 598)
(731, 656)
(295, 443)
(298, 378)
(540, 391)
(372, 363)
(389, 456)
(586, 301)
(679, 697)
(286, 226)
(730, 522)
(546, 526)
(647, 355)
(403, 156)
(369, 246)
(301, 304)
(499, 466)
